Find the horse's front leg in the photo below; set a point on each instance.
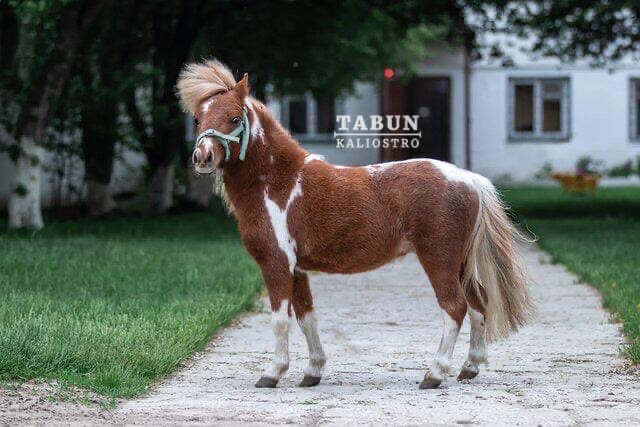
(303, 307)
(279, 282)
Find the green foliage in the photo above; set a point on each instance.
(20, 190)
(38, 22)
(14, 152)
(324, 47)
(622, 170)
(114, 305)
(552, 202)
(570, 29)
(587, 165)
(544, 172)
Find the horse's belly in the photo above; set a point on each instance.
(357, 258)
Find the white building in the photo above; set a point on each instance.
(502, 117)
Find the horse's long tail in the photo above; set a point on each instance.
(493, 267)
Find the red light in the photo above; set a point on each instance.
(388, 73)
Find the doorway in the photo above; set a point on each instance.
(430, 99)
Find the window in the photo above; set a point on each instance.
(326, 115)
(308, 118)
(538, 109)
(634, 120)
(298, 116)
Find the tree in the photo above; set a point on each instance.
(107, 72)
(323, 47)
(42, 70)
(569, 29)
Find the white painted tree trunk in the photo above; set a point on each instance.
(161, 189)
(24, 202)
(99, 200)
(201, 189)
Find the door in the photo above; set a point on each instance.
(429, 98)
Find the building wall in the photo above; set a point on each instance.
(441, 62)
(599, 120)
(365, 100)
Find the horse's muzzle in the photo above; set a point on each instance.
(205, 159)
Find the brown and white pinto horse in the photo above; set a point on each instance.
(298, 213)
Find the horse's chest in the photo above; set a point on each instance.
(265, 225)
(278, 218)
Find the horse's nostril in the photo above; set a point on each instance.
(194, 158)
(209, 157)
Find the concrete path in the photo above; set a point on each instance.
(380, 331)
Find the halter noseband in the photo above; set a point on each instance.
(225, 138)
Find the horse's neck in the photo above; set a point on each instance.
(273, 159)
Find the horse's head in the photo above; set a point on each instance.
(209, 92)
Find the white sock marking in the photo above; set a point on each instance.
(443, 358)
(317, 357)
(280, 322)
(477, 345)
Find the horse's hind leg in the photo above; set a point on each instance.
(303, 307)
(477, 344)
(444, 276)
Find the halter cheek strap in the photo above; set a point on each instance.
(239, 135)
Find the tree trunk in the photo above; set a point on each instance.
(161, 189)
(200, 189)
(24, 202)
(99, 135)
(99, 200)
(174, 32)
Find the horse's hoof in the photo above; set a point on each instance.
(266, 382)
(429, 384)
(309, 381)
(467, 374)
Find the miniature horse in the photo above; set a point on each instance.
(298, 213)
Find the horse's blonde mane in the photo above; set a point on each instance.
(199, 81)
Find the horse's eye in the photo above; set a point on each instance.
(236, 120)
(196, 122)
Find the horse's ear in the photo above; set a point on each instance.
(242, 87)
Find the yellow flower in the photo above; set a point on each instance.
(638, 306)
(614, 285)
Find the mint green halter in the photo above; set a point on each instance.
(226, 138)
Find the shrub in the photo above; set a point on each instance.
(544, 172)
(622, 170)
(587, 165)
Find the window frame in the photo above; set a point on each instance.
(634, 85)
(312, 134)
(538, 135)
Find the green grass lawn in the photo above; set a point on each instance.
(597, 237)
(113, 305)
